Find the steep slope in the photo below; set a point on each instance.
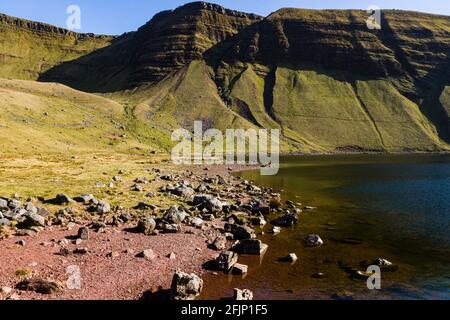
(165, 44)
(320, 76)
(28, 49)
(330, 83)
(51, 118)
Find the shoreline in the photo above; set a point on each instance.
(35, 252)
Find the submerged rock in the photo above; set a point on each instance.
(250, 246)
(226, 260)
(314, 240)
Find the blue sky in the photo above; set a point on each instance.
(119, 16)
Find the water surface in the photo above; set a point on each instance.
(395, 207)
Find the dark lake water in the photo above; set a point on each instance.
(395, 207)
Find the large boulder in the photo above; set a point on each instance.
(185, 286)
(62, 199)
(183, 191)
(250, 246)
(146, 225)
(34, 220)
(103, 207)
(86, 199)
(240, 232)
(175, 215)
(211, 204)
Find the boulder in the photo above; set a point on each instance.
(243, 295)
(211, 204)
(219, 244)
(3, 204)
(146, 225)
(103, 207)
(240, 232)
(34, 220)
(31, 208)
(250, 246)
(171, 228)
(174, 215)
(83, 233)
(147, 254)
(184, 192)
(86, 199)
(226, 260)
(62, 199)
(185, 286)
(197, 222)
(314, 240)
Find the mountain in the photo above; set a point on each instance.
(321, 76)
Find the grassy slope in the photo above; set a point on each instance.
(51, 118)
(26, 52)
(323, 111)
(182, 98)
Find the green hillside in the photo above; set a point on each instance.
(320, 76)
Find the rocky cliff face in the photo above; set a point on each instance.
(165, 44)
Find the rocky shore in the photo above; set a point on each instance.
(141, 252)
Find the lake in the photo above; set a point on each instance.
(395, 207)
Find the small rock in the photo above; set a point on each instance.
(276, 230)
(137, 188)
(172, 256)
(21, 243)
(148, 255)
(292, 258)
(113, 254)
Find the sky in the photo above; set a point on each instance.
(118, 16)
